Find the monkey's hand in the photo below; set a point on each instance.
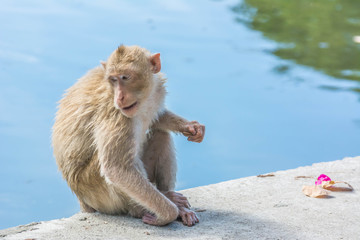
(177, 198)
(151, 219)
(188, 217)
(194, 131)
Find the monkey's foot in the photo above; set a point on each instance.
(177, 198)
(188, 217)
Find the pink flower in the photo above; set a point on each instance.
(322, 178)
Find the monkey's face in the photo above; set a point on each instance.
(130, 72)
(130, 89)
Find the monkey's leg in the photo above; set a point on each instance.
(159, 160)
(157, 149)
(160, 164)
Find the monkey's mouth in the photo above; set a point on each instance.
(130, 107)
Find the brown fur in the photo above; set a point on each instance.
(117, 164)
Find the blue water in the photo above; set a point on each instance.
(264, 109)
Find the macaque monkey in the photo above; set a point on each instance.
(112, 141)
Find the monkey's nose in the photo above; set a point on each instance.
(120, 103)
(121, 99)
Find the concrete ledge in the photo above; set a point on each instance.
(246, 208)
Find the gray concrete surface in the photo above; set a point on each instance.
(246, 208)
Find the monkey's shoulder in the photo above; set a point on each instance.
(88, 91)
(91, 84)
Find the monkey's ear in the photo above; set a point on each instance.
(103, 64)
(156, 63)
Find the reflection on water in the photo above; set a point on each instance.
(320, 34)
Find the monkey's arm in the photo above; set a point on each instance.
(120, 166)
(169, 121)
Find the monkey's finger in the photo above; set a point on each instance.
(148, 219)
(179, 203)
(183, 218)
(197, 139)
(192, 220)
(201, 131)
(198, 130)
(183, 203)
(187, 203)
(189, 220)
(194, 139)
(196, 218)
(182, 197)
(149, 215)
(187, 134)
(199, 135)
(192, 129)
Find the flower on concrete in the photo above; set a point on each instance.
(322, 178)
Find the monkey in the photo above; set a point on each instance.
(112, 140)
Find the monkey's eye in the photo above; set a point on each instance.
(124, 77)
(113, 79)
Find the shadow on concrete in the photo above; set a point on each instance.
(214, 224)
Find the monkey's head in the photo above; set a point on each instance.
(130, 73)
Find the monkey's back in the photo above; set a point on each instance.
(72, 137)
